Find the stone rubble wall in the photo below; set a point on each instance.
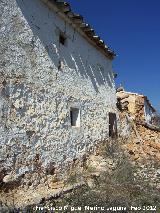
(139, 108)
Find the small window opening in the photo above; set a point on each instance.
(75, 117)
(112, 125)
(62, 39)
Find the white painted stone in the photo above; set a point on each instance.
(148, 111)
(35, 102)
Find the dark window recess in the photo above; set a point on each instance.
(112, 125)
(62, 39)
(75, 117)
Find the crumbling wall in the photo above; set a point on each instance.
(131, 104)
(40, 80)
(139, 109)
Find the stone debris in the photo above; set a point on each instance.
(23, 198)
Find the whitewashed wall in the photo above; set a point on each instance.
(36, 97)
(148, 111)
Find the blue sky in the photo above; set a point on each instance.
(132, 29)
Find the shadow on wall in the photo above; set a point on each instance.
(46, 26)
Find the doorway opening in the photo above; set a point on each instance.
(112, 125)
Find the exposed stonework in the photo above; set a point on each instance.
(137, 105)
(142, 138)
(40, 80)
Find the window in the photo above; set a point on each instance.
(62, 39)
(112, 125)
(75, 117)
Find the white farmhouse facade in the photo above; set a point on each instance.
(57, 85)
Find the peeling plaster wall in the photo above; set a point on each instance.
(36, 96)
(149, 113)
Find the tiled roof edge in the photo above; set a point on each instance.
(78, 21)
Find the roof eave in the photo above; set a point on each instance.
(76, 20)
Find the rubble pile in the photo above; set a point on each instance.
(143, 149)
